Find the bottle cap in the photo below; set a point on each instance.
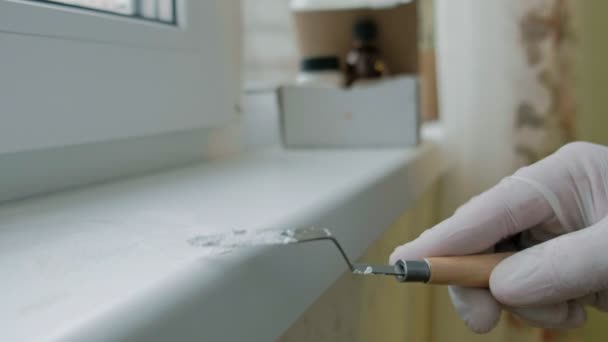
(320, 63)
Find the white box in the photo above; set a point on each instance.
(383, 114)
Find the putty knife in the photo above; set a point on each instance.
(469, 270)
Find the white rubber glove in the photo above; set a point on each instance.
(557, 210)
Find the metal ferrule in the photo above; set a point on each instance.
(418, 271)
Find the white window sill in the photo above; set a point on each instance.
(112, 262)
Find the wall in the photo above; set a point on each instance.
(358, 308)
(592, 121)
(270, 52)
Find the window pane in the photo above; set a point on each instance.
(156, 10)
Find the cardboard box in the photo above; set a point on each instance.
(380, 114)
(384, 114)
(329, 32)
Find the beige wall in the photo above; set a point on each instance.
(592, 120)
(358, 308)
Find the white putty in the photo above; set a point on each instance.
(368, 270)
(219, 244)
(289, 239)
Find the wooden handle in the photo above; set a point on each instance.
(468, 270)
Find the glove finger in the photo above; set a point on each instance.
(508, 208)
(476, 307)
(567, 267)
(566, 315)
(573, 180)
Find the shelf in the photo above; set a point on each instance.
(332, 5)
(112, 263)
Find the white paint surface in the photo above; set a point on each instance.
(113, 262)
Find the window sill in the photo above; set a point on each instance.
(112, 262)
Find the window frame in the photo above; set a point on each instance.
(138, 16)
(158, 78)
(57, 20)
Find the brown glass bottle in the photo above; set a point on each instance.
(363, 61)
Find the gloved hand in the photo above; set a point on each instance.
(554, 211)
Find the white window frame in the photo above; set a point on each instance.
(71, 76)
(59, 21)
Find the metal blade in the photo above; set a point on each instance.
(302, 235)
(376, 269)
(306, 234)
(311, 234)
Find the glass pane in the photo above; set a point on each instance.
(156, 10)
